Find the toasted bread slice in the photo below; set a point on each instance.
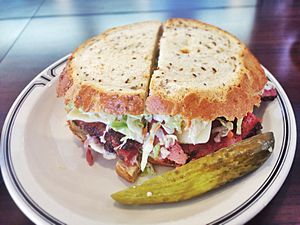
(111, 72)
(129, 173)
(203, 72)
(77, 131)
(161, 162)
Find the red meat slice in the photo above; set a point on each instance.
(269, 95)
(249, 123)
(200, 150)
(177, 154)
(89, 156)
(93, 129)
(128, 156)
(226, 142)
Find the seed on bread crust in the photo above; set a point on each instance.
(121, 69)
(211, 49)
(185, 51)
(204, 50)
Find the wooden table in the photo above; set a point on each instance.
(35, 33)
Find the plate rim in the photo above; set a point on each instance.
(34, 213)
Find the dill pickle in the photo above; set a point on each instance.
(201, 175)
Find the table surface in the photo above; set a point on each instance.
(35, 33)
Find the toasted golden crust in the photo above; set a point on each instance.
(91, 99)
(93, 95)
(77, 131)
(65, 81)
(238, 101)
(161, 162)
(230, 100)
(128, 173)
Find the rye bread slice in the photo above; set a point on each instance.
(111, 72)
(203, 72)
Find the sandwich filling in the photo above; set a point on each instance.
(155, 134)
(163, 139)
(170, 139)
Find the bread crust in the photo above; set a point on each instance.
(77, 131)
(128, 173)
(235, 101)
(161, 162)
(93, 99)
(65, 80)
(232, 102)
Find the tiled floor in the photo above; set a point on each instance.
(10, 31)
(19, 8)
(55, 8)
(64, 28)
(94, 16)
(37, 33)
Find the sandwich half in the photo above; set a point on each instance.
(105, 85)
(151, 93)
(206, 86)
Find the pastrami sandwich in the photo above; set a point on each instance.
(151, 93)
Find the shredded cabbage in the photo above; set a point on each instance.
(170, 123)
(129, 125)
(137, 117)
(149, 170)
(132, 126)
(118, 125)
(135, 125)
(148, 117)
(148, 144)
(134, 129)
(166, 139)
(239, 126)
(227, 124)
(156, 151)
(223, 130)
(169, 140)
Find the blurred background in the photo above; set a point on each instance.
(36, 33)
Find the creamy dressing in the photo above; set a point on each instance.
(198, 132)
(97, 147)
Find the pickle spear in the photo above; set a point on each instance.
(201, 175)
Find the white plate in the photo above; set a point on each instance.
(47, 176)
